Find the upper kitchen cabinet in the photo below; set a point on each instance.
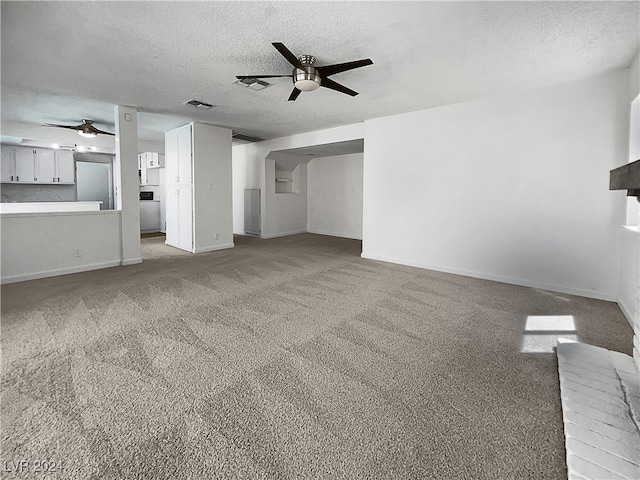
(44, 166)
(37, 165)
(65, 167)
(8, 167)
(149, 164)
(25, 165)
(150, 160)
(154, 160)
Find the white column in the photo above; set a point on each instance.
(127, 185)
(212, 188)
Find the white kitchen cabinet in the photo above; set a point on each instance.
(153, 159)
(25, 165)
(150, 176)
(45, 166)
(149, 166)
(37, 165)
(65, 167)
(7, 169)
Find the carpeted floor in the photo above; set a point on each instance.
(283, 358)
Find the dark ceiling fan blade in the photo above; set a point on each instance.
(294, 94)
(102, 132)
(72, 127)
(327, 70)
(286, 53)
(328, 83)
(242, 77)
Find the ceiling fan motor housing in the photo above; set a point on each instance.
(307, 79)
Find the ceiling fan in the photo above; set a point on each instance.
(85, 129)
(307, 77)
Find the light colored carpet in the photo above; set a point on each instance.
(284, 358)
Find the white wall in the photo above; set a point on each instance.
(287, 212)
(213, 214)
(629, 261)
(249, 166)
(629, 254)
(42, 245)
(511, 188)
(334, 205)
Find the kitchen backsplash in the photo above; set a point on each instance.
(11, 192)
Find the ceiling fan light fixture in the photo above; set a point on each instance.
(87, 134)
(306, 81)
(307, 85)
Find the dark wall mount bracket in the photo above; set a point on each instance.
(626, 178)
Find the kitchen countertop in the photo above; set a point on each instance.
(44, 207)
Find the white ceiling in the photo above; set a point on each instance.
(65, 61)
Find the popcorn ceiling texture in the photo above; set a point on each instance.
(88, 56)
(284, 358)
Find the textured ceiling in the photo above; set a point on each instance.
(65, 61)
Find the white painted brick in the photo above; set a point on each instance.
(604, 397)
(615, 419)
(630, 451)
(584, 384)
(615, 406)
(606, 370)
(623, 362)
(610, 377)
(590, 351)
(597, 363)
(623, 436)
(586, 469)
(575, 476)
(631, 386)
(606, 460)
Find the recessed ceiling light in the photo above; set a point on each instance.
(55, 145)
(81, 148)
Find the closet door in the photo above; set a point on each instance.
(179, 189)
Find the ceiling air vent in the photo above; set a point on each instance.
(245, 138)
(252, 83)
(198, 104)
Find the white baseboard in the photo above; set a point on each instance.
(498, 278)
(132, 261)
(60, 271)
(334, 234)
(628, 312)
(284, 234)
(213, 248)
